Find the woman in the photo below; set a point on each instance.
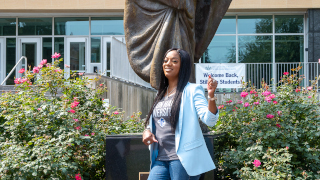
(177, 146)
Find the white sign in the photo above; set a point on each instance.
(228, 75)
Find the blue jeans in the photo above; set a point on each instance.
(166, 170)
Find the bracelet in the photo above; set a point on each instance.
(145, 130)
(212, 99)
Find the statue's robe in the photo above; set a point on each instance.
(154, 26)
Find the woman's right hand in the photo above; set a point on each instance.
(148, 138)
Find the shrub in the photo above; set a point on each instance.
(285, 124)
(56, 127)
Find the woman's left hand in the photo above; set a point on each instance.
(211, 86)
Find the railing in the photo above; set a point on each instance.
(258, 72)
(23, 57)
(120, 66)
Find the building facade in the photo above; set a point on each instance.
(255, 32)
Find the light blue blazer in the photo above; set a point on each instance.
(190, 145)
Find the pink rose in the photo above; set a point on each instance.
(256, 162)
(86, 135)
(309, 97)
(67, 66)
(17, 81)
(74, 104)
(272, 96)
(78, 177)
(266, 93)
(78, 128)
(256, 103)
(270, 116)
(268, 99)
(233, 110)
(256, 95)
(246, 104)
(116, 112)
(39, 109)
(24, 80)
(285, 73)
(76, 120)
(36, 70)
(275, 102)
(287, 147)
(100, 85)
(253, 92)
(278, 125)
(230, 101)
(297, 90)
(244, 94)
(279, 113)
(21, 70)
(81, 74)
(239, 102)
(55, 55)
(309, 88)
(40, 66)
(43, 62)
(58, 70)
(72, 111)
(92, 134)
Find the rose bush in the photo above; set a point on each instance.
(56, 127)
(280, 130)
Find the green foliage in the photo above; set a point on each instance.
(275, 164)
(56, 128)
(288, 119)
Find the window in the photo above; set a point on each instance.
(59, 48)
(10, 58)
(254, 24)
(71, 26)
(35, 26)
(107, 26)
(255, 49)
(47, 49)
(227, 25)
(222, 49)
(7, 26)
(289, 24)
(95, 49)
(251, 39)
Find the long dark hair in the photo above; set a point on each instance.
(184, 75)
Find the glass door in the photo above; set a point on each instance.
(106, 46)
(76, 55)
(2, 61)
(31, 49)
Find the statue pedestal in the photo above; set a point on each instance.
(127, 158)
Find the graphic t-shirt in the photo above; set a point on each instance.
(161, 117)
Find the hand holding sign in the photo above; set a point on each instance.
(211, 86)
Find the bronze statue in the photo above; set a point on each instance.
(154, 26)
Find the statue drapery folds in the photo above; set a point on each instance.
(154, 26)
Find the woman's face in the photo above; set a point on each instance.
(171, 65)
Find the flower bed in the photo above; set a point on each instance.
(58, 136)
(271, 136)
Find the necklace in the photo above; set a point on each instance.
(170, 91)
